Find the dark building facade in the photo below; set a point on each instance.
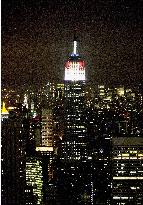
(15, 130)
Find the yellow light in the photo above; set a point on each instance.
(126, 158)
(140, 155)
(4, 110)
(11, 108)
(132, 151)
(44, 149)
(124, 155)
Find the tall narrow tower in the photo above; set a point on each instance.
(73, 177)
(75, 130)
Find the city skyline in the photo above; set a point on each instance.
(72, 103)
(37, 37)
(72, 143)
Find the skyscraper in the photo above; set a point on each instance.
(74, 177)
(15, 131)
(127, 170)
(74, 107)
(47, 127)
(34, 177)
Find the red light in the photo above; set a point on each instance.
(81, 65)
(68, 65)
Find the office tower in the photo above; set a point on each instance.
(127, 170)
(48, 139)
(74, 178)
(41, 137)
(74, 107)
(35, 131)
(39, 164)
(47, 128)
(99, 123)
(127, 152)
(58, 113)
(45, 153)
(34, 177)
(14, 134)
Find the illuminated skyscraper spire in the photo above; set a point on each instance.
(75, 45)
(75, 66)
(4, 110)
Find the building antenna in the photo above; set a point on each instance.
(75, 45)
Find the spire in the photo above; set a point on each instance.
(4, 110)
(75, 45)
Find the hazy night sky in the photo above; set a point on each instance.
(37, 38)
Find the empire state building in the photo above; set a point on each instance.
(75, 128)
(74, 177)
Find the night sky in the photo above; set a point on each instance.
(37, 38)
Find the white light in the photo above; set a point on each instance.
(74, 73)
(75, 46)
(130, 178)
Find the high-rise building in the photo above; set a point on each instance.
(47, 128)
(45, 153)
(14, 134)
(74, 178)
(34, 177)
(74, 107)
(44, 150)
(127, 170)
